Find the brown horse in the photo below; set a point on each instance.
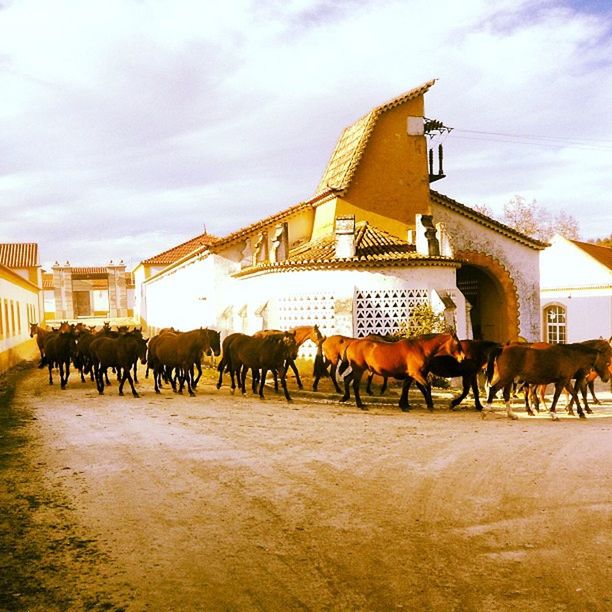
(406, 360)
(329, 353)
(538, 392)
(262, 354)
(557, 364)
(302, 334)
(180, 352)
(40, 333)
(476, 355)
(120, 353)
(58, 348)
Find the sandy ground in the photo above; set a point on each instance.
(230, 503)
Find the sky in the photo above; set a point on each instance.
(130, 126)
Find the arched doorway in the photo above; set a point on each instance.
(490, 292)
(486, 303)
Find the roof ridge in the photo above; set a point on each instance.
(348, 161)
(443, 199)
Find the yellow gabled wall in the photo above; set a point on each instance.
(391, 183)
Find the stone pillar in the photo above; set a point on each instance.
(117, 290)
(62, 288)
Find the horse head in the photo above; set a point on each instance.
(33, 329)
(454, 346)
(214, 341)
(603, 364)
(290, 344)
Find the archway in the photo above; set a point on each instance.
(491, 294)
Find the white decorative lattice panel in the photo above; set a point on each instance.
(313, 309)
(382, 311)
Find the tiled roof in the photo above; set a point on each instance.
(89, 271)
(85, 273)
(466, 211)
(602, 254)
(373, 247)
(177, 252)
(19, 254)
(353, 140)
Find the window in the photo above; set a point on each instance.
(1, 319)
(554, 324)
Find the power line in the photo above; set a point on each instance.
(538, 137)
(537, 141)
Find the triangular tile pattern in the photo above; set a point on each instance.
(382, 311)
(312, 309)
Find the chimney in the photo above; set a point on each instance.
(426, 236)
(280, 243)
(345, 237)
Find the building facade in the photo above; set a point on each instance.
(20, 302)
(576, 291)
(371, 243)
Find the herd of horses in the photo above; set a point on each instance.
(175, 358)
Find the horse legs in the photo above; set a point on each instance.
(126, 374)
(333, 370)
(283, 379)
(467, 381)
(347, 387)
(404, 404)
(591, 386)
(50, 366)
(291, 364)
(369, 384)
(98, 370)
(66, 373)
(357, 375)
(242, 374)
(262, 382)
(61, 368)
(527, 391)
(425, 389)
(507, 386)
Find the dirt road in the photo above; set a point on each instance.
(230, 503)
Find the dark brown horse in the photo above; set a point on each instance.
(302, 333)
(557, 364)
(120, 353)
(180, 352)
(406, 360)
(262, 354)
(58, 348)
(476, 355)
(40, 333)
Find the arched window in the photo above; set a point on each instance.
(555, 324)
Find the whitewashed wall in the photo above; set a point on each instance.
(202, 293)
(583, 286)
(521, 261)
(15, 342)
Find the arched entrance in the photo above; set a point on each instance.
(491, 294)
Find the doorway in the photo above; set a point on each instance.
(487, 303)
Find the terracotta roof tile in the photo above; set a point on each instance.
(179, 251)
(466, 211)
(353, 140)
(602, 254)
(373, 247)
(19, 254)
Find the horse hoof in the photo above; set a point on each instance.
(136, 394)
(121, 393)
(582, 415)
(405, 408)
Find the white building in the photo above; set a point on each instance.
(372, 242)
(576, 291)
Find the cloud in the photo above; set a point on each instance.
(123, 124)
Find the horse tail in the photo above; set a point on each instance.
(343, 364)
(319, 368)
(493, 355)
